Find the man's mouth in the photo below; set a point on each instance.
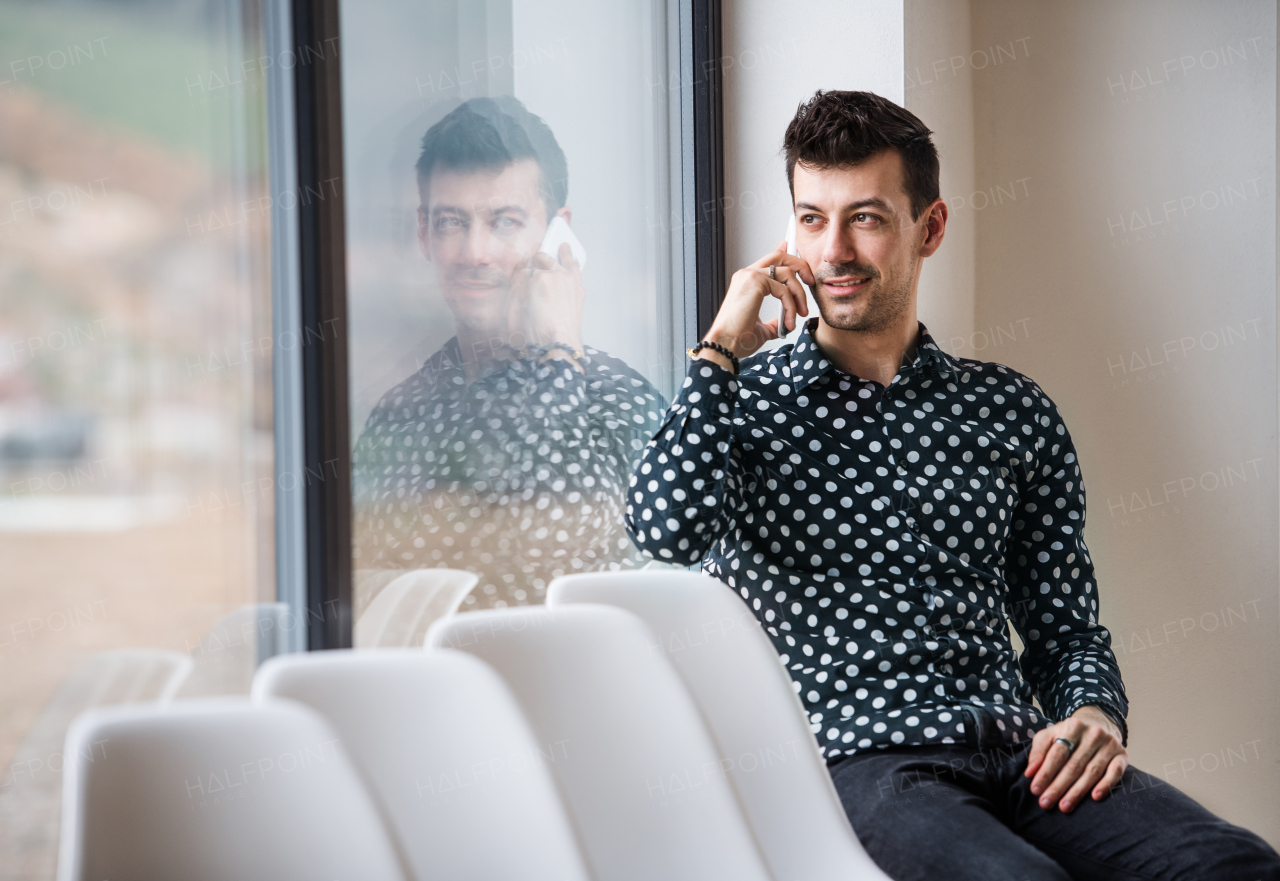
(478, 286)
(845, 284)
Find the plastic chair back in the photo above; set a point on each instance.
(227, 656)
(31, 781)
(446, 751)
(209, 790)
(398, 617)
(733, 672)
(637, 767)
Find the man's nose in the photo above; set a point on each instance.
(838, 246)
(477, 251)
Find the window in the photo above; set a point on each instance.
(499, 394)
(214, 277)
(136, 344)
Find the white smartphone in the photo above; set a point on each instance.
(558, 232)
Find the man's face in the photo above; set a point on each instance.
(480, 228)
(854, 229)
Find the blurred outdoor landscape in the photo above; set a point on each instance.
(135, 342)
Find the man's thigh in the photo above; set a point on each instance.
(923, 813)
(1145, 829)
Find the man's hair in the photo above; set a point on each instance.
(835, 129)
(490, 134)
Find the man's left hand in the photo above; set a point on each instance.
(1096, 764)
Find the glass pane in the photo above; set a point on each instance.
(135, 364)
(499, 395)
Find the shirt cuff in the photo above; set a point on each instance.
(707, 381)
(699, 362)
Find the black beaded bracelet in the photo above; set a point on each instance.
(715, 347)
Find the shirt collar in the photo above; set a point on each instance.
(808, 363)
(930, 357)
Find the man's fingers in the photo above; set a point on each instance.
(789, 278)
(788, 298)
(543, 260)
(1039, 747)
(1057, 755)
(1054, 760)
(1115, 771)
(1089, 743)
(780, 258)
(798, 266)
(788, 318)
(1089, 775)
(568, 261)
(775, 287)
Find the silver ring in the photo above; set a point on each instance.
(772, 269)
(1071, 747)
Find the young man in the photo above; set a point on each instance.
(886, 509)
(507, 453)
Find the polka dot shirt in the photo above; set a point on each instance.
(886, 537)
(518, 476)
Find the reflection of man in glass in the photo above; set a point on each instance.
(509, 451)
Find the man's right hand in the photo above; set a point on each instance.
(738, 326)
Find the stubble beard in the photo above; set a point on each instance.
(884, 308)
(484, 318)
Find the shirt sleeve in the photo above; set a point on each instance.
(626, 407)
(1068, 658)
(681, 493)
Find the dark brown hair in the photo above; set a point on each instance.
(492, 133)
(834, 129)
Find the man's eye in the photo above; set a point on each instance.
(864, 218)
(809, 218)
(506, 223)
(448, 223)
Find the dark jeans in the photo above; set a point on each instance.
(964, 812)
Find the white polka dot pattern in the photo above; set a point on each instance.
(518, 476)
(885, 536)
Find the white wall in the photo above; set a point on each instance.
(1140, 261)
(769, 70)
(938, 88)
(606, 99)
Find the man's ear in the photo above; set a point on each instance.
(424, 234)
(935, 227)
(567, 213)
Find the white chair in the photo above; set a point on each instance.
(639, 771)
(31, 782)
(367, 584)
(399, 615)
(216, 789)
(227, 655)
(448, 754)
(733, 672)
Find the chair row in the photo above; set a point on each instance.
(639, 726)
